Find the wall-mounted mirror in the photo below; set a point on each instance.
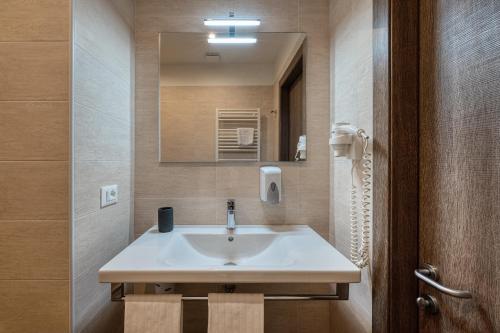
(232, 102)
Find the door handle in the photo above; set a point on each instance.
(429, 275)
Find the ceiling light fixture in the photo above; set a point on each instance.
(231, 23)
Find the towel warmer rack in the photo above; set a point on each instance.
(226, 138)
(341, 294)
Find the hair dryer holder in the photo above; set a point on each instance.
(347, 141)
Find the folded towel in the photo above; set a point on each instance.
(153, 313)
(245, 136)
(242, 313)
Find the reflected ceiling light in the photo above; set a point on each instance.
(231, 23)
(232, 40)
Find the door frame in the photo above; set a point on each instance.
(396, 162)
(294, 70)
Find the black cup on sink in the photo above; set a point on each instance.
(165, 219)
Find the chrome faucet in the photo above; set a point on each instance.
(231, 221)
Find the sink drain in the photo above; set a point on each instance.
(230, 263)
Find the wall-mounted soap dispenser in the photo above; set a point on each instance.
(270, 184)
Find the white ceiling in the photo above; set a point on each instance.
(191, 48)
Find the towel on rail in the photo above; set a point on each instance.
(229, 313)
(153, 313)
(245, 136)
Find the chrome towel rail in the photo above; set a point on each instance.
(342, 293)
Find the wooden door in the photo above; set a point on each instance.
(459, 227)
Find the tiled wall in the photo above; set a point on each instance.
(103, 141)
(198, 192)
(352, 82)
(188, 118)
(35, 166)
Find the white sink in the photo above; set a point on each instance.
(191, 250)
(248, 254)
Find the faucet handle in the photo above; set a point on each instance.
(230, 204)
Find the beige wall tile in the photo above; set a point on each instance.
(314, 317)
(34, 250)
(100, 315)
(281, 317)
(297, 317)
(237, 180)
(351, 56)
(254, 211)
(103, 116)
(174, 180)
(101, 136)
(91, 175)
(100, 89)
(311, 181)
(34, 131)
(109, 21)
(34, 20)
(34, 306)
(346, 317)
(34, 200)
(126, 9)
(105, 233)
(34, 190)
(91, 296)
(34, 71)
(100, 236)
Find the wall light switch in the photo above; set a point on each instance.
(109, 195)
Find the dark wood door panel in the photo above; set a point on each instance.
(460, 160)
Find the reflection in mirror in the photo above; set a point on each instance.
(232, 102)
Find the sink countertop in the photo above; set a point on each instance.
(249, 254)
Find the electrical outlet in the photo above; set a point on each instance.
(109, 195)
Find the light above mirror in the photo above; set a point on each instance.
(231, 23)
